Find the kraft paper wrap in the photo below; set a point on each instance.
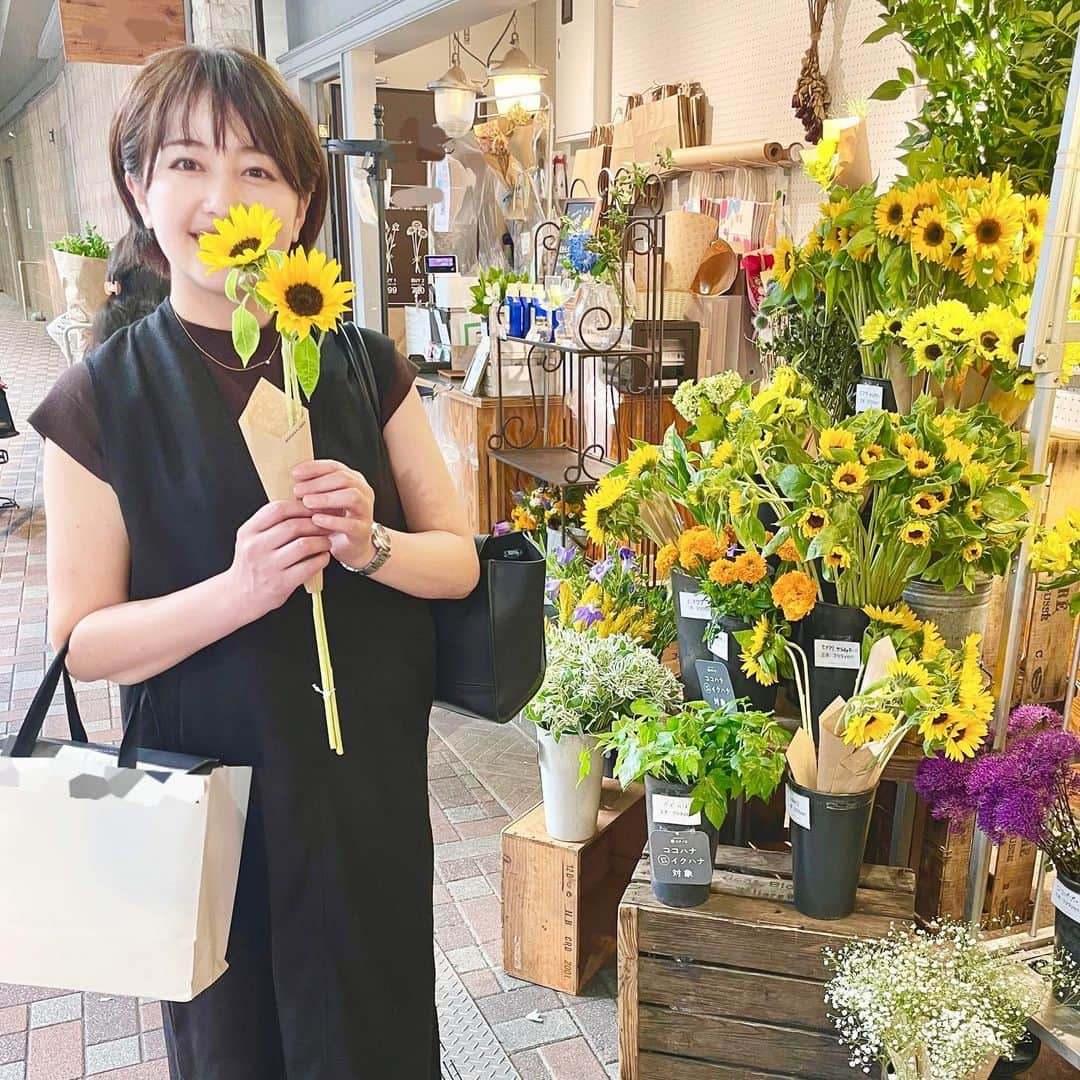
(849, 770)
(802, 759)
(275, 449)
(727, 155)
(853, 150)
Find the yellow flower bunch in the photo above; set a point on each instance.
(599, 503)
(1055, 553)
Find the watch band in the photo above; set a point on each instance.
(380, 540)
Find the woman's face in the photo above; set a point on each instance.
(194, 183)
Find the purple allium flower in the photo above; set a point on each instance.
(500, 528)
(601, 569)
(551, 587)
(944, 785)
(564, 556)
(587, 614)
(1028, 717)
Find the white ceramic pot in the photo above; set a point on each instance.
(570, 808)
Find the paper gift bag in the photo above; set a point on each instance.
(122, 867)
(853, 150)
(275, 448)
(622, 146)
(589, 162)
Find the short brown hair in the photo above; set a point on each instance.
(234, 82)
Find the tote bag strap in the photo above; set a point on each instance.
(360, 362)
(30, 731)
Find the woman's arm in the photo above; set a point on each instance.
(436, 559)
(124, 641)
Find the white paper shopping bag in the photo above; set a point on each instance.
(117, 880)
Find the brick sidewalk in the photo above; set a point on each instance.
(478, 772)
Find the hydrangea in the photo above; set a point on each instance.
(581, 260)
(710, 395)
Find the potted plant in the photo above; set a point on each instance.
(1023, 791)
(81, 262)
(696, 761)
(590, 682)
(930, 1005)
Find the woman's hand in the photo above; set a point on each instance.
(342, 503)
(277, 549)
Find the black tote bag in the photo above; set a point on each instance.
(490, 656)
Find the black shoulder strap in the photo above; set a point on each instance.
(360, 361)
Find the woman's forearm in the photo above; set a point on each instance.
(130, 642)
(432, 565)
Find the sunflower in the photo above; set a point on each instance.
(838, 557)
(750, 666)
(849, 477)
(909, 673)
(919, 198)
(879, 725)
(974, 509)
(641, 458)
(898, 615)
(836, 236)
(813, 521)
(965, 738)
(915, 326)
(812, 244)
(972, 551)
(873, 328)
(241, 238)
(835, 439)
(990, 229)
(992, 331)
(906, 444)
(722, 572)
(958, 450)
(927, 353)
(925, 504)
(935, 725)
(784, 261)
(1036, 207)
(970, 684)
(795, 593)
(932, 643)
(722, 454)
(916, 533)
(606, 494)
(930, 236)
(872, 454)
(953, 320)
(920, 463)
(855, 729)
(1028, 261)
(304, 292)
(760, 637)
(889, 216)
(666, 558)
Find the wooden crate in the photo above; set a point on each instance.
(561, 900)
(704, 991)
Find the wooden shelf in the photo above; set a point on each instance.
(554, 465)
(558, 346)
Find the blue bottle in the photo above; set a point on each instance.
(515, 307)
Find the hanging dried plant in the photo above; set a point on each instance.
(811, 99)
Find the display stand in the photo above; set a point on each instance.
(593, 372)
(741, 979)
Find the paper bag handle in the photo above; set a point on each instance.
(35, 715)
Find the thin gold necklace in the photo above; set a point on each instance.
(214, 359)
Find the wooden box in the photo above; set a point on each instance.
(734, 989)
(561, 900)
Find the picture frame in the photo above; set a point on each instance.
(583, 214)
(474, 375)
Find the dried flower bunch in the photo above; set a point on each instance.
(811, 99)
(932, 1005)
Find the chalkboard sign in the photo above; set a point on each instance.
(716, 686)
(680, 857)
(405, 250)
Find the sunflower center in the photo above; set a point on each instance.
(933, 351)
(1018, 344)
(250, 243)
(896, 214)
(988, 231)
(989, 340)
(815, 521)
(304, 299)
(934, 234)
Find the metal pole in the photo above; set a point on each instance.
(377, 173)
(1043, 351)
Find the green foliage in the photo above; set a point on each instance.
(996, 74)
(491, 289)
(89, 243)
(245, 333)
(724, 753)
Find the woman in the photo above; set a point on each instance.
(136, 283)
(169, 574)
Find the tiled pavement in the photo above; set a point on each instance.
(480, 777)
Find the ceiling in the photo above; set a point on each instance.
(21, 26)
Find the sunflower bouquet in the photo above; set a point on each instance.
(612, 596)
(1055, 552)
(303, 292)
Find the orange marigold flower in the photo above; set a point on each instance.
(750, 568)
(666, 558)
(788, 552)
(696, 544)
(795, 593)
(722, 571)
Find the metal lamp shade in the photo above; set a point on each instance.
(516, 80)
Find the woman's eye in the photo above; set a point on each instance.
(259, 173)
(185, 164)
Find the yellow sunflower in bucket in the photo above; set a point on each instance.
(240, 239)
(304, 291)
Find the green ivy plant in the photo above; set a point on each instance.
(995, 73)
(89, 243)
(723, 753)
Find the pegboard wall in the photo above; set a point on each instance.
(747, 55)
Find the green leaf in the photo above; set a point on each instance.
(889, 90)
(245, 334)
(306, 359)
(1002, 505)
(877, 35)
(802, 288)
(230, 284)
(906, 75)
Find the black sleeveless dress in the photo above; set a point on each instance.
(331, 974)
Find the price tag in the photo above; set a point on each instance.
(868, 396)
(695, 605)
(798, 808)
(673, 810)
(715, 682)
(683, 858)
(718, 645)
(1065, 900)
(837, 654)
